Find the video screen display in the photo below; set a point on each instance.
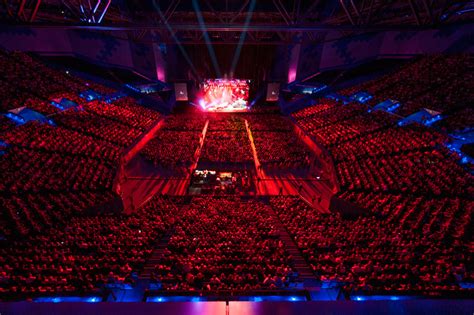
(224, 95)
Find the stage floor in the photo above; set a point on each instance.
(246, 308)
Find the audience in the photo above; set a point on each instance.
(415, 248)
(281, 150)
(226, 147)
(86, 254)
(413, 237)
(60, 235)
(174, 150)
(224, 243)
(437, 82)
(72, 164)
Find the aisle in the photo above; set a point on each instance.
(314, 191)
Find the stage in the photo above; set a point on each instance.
(418, 307)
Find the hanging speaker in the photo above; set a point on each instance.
(273, 91)
(181, 91)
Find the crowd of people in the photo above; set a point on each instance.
(416, 198)
(185, 122)
(417, 247)
(126, 112)
(277, 145)
(460, 121)
(413, 237)
(32, 213)
(281, 150)
(438, 82)
(396, 140)
(429, 173)
(175, 145)
(45, 137)
(77, 155)
(336, 123)
(25, 169)
(268, 122)
(174, 150)
(226, 147)
(230, 122)
(84, 255)
(27, 80)
(224, 243)
(374, 154)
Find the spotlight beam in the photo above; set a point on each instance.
(238, 49)
(210, 49)
(180, 47)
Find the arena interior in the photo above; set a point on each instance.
(238, 157)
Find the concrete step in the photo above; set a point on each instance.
(300, 264)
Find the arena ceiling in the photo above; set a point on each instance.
(269, 21)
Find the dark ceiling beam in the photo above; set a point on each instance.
(21, 8)
(414, 12)
(35, 11)
(216, 13)
(70, 9)
(296, 11)
(7, 7)
(346, 10)
(355, 8)
(170, 10)
(369, 12)
(242, 8)
(310, 9)
(284, 14)
(227, 27)
(428, 10)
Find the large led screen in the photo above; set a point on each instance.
(224, 95)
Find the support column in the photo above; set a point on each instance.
(293, 62)
(160, 63)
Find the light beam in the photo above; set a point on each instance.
(206, 38)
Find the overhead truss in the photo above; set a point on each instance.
(280, 22)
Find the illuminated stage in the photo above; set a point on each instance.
(224, 95)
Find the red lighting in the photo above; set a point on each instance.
(223, 95)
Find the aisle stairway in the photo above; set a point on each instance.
(160, 247)
(156, 255)
(304, 271)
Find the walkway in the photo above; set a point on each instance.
(315, 192)
(300, 264)
(160, 247)
(140, 179)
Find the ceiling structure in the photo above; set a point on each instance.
(222, 21)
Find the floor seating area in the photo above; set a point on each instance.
(224, 243)
(175, 150)
(226, 141)
(175, 145)
(281, 150)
